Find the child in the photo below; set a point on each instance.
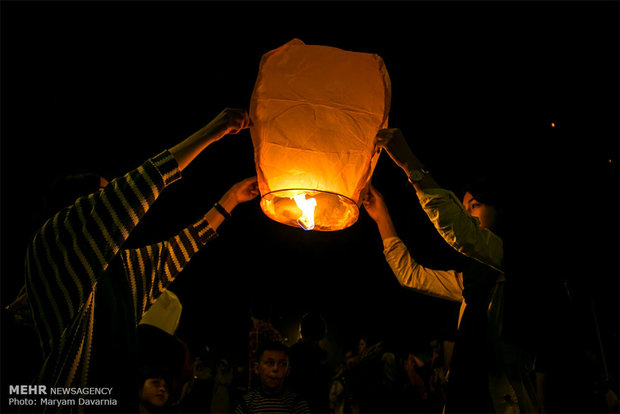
(154, 393)
(272, 396)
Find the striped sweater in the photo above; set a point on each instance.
(70, 257)
(257, 402)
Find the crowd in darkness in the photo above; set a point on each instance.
(370, 377)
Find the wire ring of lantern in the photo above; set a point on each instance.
(314, 190)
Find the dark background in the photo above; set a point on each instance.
(102, 86)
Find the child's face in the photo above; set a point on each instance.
(273, 368)
(154, 392)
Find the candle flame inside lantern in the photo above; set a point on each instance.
(307, 206)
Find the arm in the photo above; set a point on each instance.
(229, 121)
(241, 192)
(74, 248)
(459, 229)
(443, 284)
(393, 141)
(454, 224)
(152, 268)
(377, 210)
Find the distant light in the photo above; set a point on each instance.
(553, 125)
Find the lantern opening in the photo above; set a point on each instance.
(310, 209)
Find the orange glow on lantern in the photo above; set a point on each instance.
(315, 112)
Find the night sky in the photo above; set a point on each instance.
(102, 86)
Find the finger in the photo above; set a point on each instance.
(384, 133)
(240, 118)
(246, 120)
(380, 142)
(237, 121)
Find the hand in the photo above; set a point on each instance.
(229, 121)
(393, 141)
(241, 192)
(375, 204)
(377, 210)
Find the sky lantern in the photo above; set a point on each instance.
(316, 111)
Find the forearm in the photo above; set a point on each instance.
(438, 283)
(188, 149)
(215, 218)
(413, 163)
(228, 121)
(386, 227)
(151, 269)
(393, 141)
(427, 182)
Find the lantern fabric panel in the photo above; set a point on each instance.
(315, 113)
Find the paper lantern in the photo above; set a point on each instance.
(316, 111)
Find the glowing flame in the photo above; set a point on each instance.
(306, 220)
